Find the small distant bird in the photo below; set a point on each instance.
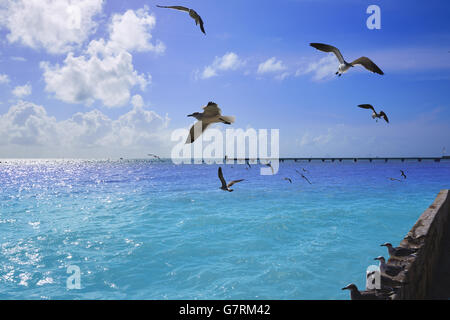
(344, 65)
(194, 15)
(154, 156)
(248, 164)
(399, 251)
(303, 176)
(304, 170)
(211, 114)
(355, 294)
(288, 179)
(394, 179)
(375, 115)
(403, 174)
(388, 269)
(225, 186)
(270, 166)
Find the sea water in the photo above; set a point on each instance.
(140, 229)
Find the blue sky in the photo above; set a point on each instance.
(123, 80)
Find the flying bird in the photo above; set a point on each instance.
(388, 269)
(303, 176)
(154, 156)
(394, 179)
(194, 15)
(399, 251)
(403, 174)
(270, 166)
(288, 179)
(375, 115)
(211, 114)
(248, 164)
(344, 65)
(225, 186)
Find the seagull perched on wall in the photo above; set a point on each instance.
(375, 115)
(225, 186)
(194, 15)
(211, 114)
(355, 294)
(399, 251)
(344, 65)
(388, 269)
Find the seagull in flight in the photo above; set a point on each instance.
(211, 114)
(303, 176)
(225, 186)
(375, 115)
(403, 174)
(344, 65)
(270, 166)
(394, 179)
(288, 179)
(154, 156)
(194, 15)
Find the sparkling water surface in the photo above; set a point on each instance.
(154, 230)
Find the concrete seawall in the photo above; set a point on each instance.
(428, 273)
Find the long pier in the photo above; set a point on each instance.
(354, 159)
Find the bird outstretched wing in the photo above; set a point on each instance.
(211, 110)
(328, 48)
(196, 131)
(181, 8)
(384, 116)
(222, 179)
(202, 27)
(367, 106)
(368, 64)
(287, 179)
(233, 182)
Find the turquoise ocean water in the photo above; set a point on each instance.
(154, 230)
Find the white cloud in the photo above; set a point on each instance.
(105, 70)
(131, 32)
(229, 61)
(56, 26)
(321, 70)
(137, 101)
(27, 124)
(22, 91)
(26, 129)
(271, 66)
(4, 78)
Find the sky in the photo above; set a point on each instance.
(103, 78)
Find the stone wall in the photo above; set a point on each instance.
(430, 235)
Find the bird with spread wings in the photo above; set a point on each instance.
(344, 65)
(194, 15)
(225, 186)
